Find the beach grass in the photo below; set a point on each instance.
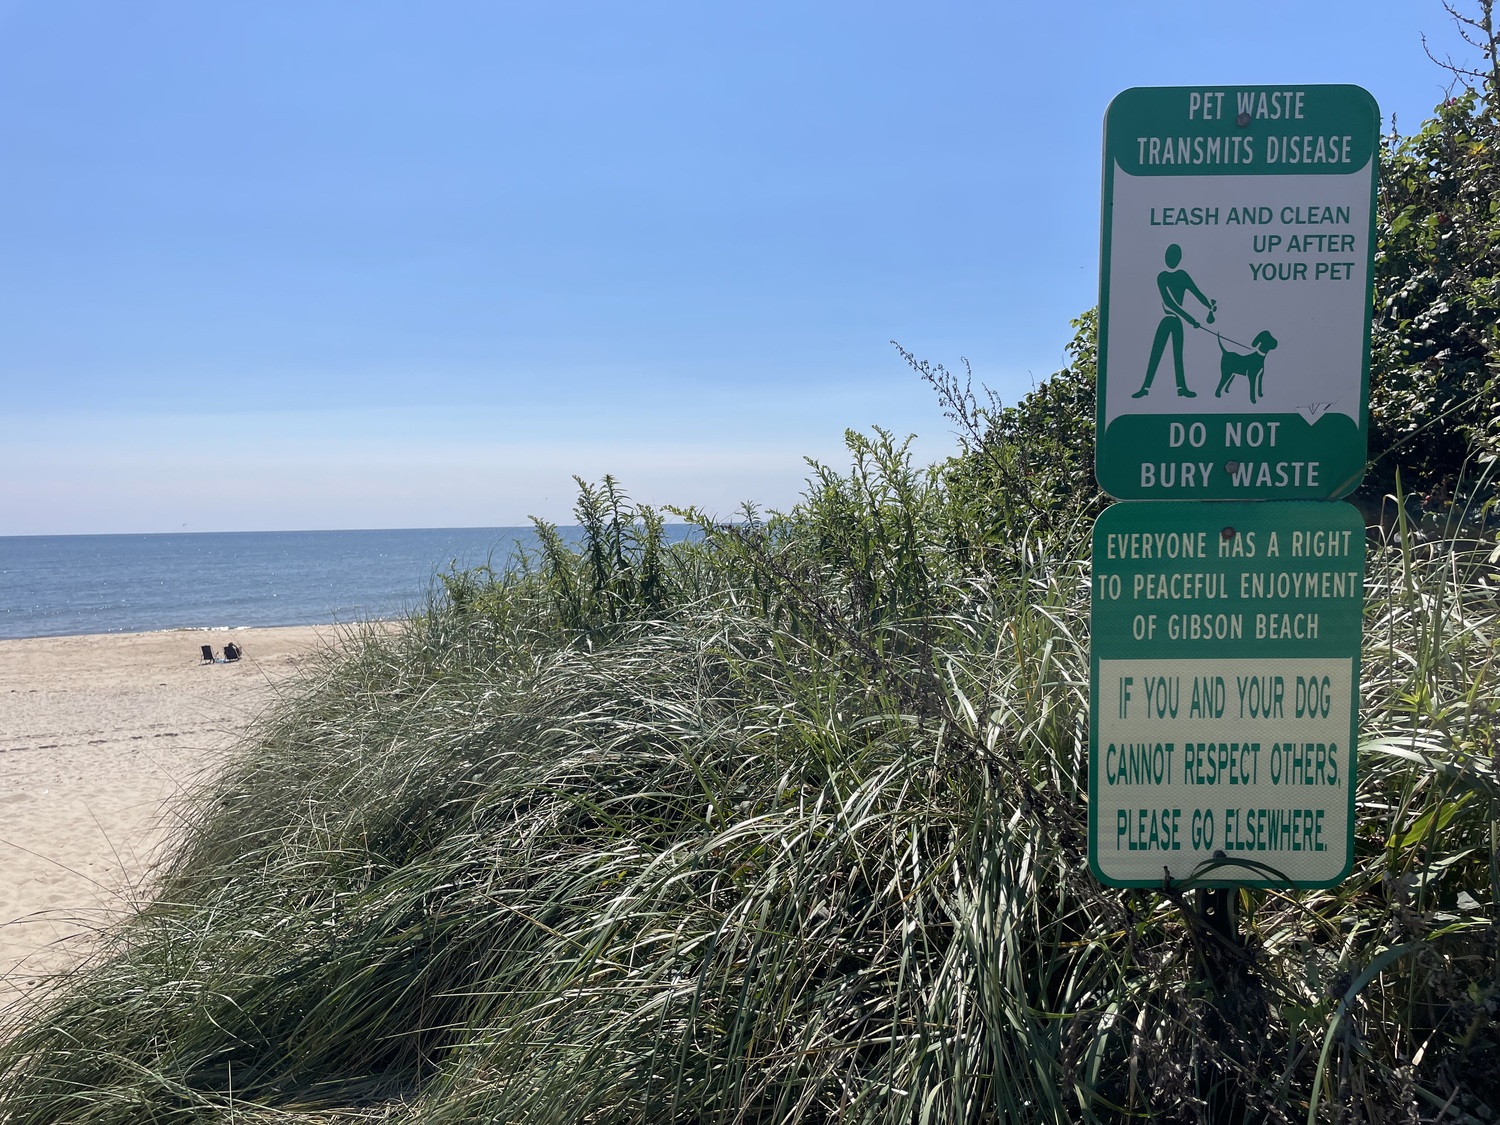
(785, 823)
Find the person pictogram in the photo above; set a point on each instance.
(1174, 285)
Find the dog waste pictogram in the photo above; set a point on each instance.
(1234, 294)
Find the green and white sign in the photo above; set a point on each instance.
(1234, 292)
(1224, 694)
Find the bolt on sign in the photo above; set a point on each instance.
(1224, 693)
(1234, 292)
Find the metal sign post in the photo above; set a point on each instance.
(1234, 354)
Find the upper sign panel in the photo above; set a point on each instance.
(1234, 292)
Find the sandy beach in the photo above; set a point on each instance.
(97, 735)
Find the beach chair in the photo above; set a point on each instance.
(231, 651)
(208, 654)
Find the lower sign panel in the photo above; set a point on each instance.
(1225, 693)
(1249, 759)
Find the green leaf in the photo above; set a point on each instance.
(1432, 821)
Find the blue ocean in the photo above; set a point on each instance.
(57, 585)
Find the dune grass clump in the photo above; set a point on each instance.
(786, 823)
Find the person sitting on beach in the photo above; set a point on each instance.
(231, 651)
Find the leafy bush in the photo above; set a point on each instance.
(1434, 410)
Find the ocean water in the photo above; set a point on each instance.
(57, 585)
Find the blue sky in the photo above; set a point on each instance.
(324, 265)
